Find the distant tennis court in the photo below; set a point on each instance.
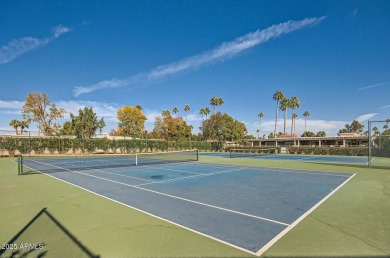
(301, 157)
(246, 207)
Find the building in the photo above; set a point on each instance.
(343, 140)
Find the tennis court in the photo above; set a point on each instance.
(249, 208)
(303, 158)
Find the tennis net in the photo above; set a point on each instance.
(242, 153)
(63, 163)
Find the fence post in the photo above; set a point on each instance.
(369, 144)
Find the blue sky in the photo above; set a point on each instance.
(334, 56)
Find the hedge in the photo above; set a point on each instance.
(342, 151)
(55, 145)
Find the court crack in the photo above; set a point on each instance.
(348, 234)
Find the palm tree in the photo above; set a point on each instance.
(306, 115)
(294, 104)
(138, 107)
(278, 96)
(187, 108)
(15, 124)
(175, 110)
(385, 127)
(260, 115)
(206, 111)
(294, 116)
(165, 113)
(214, 103)
(101, 124)
(376, 130)
(284, 105)
(388, 121)
(23, 124)
(220, 102)
(202, 110)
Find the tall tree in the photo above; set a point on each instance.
(175, 110)
(306, 115)
(186, 109)
(206, 111)
(171, 128)
(354, 127)
(223, 127)
(202, 112)
(220, 102)
(24, 124)
(85, 124)
(214, 103)
(15, 124)
(67, 129)
(260, 115)
(308, 134)
(295, 115)
(284, 105)
(376, 130)
(39, 109)
(294, 104)
(278, 96)
(132, 121)
(166, 113)
(101, 124)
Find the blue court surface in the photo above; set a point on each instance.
(304, 158)
(246, 207)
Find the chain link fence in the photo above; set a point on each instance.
(379, 144)
(30, 143)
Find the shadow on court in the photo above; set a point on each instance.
(45, 236)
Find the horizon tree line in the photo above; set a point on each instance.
(39, 109)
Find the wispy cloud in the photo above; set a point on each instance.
(372, 86)
(102, 109)
(152, 114)
(354, 12)
(386, 106)
(11, 104)
(17, 47)
(225, 51)
(113, 83)
(59, 30)
(365, 117)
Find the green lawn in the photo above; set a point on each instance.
(353, 222)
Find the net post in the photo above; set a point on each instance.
(197, 155)
(20, 165)
(136, 159)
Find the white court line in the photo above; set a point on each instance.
(258, 253)
(177, 197)
(181, 171)
(165, 181)
(138, 178)
(188, 177)
(281, 170)
(154, 216)
(292, 225)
